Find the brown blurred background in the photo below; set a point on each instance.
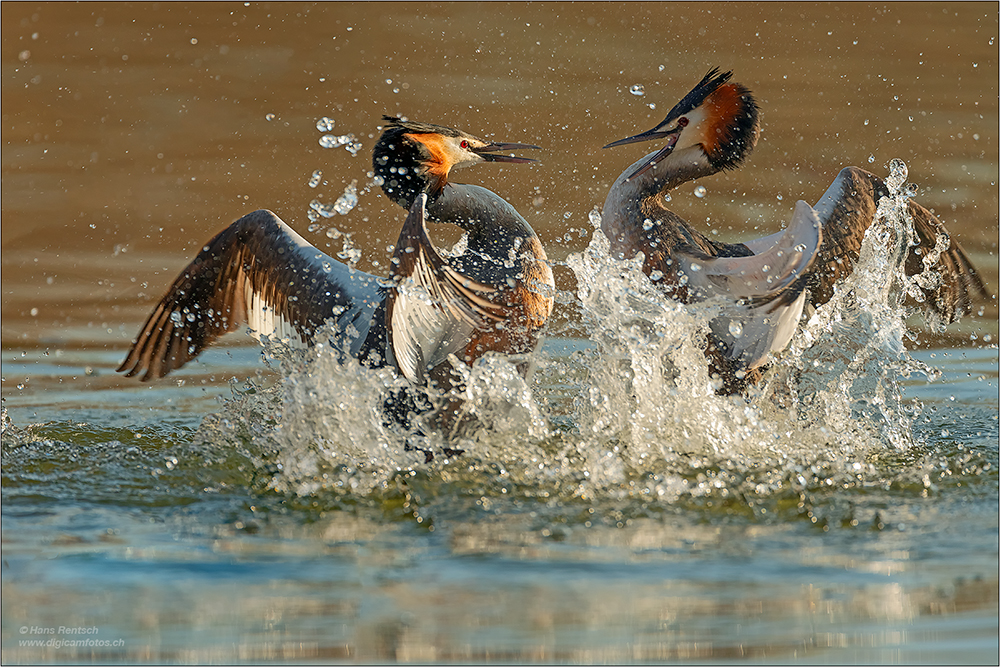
(134, 132)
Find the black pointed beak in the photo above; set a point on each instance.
(650, 135)
(499, 146)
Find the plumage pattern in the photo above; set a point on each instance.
(432, 309)
(768, 289)
(771, 279)
(257, 271)
(848, 208)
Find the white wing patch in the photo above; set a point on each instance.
(264, 320)
(768, 284)
(433, 310)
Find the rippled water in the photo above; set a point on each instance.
(611, 507)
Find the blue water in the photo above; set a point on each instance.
(119, 515)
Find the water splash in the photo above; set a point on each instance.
(850, 356)
(323, 428)
(631, 413)
(836, 389)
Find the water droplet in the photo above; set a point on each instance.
(666, 196)
(313, 228)
(735, 329)
(595, 218)
(700, 191)
(315, 179)
(332, 141)
(347, 201)
(324, 124)
(638, 90)
(324, 210)
(34, 312)
(567, 215)
(663, 66)
(695, 266)
(348, 141)
(871, 158)
(647, 224)
(270, 116)
(912, 189)
(655, 275)
(327, 267)
(866, 121)
(897, 176)
(780, 197)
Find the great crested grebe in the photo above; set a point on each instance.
(495, 295)
(769, 280)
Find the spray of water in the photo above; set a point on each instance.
(633, 411)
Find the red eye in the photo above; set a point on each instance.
(682, 122)
(464, 144)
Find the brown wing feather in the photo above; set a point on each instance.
(848, 208)
(257, 256)
(960, 283)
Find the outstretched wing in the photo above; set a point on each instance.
(848, 208)
(769, 289)
(432, 310)
(258, 272)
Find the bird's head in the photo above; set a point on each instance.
(412, 157)
(713, 128)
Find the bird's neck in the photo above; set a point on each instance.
(500, 244)
(492, 224)
(636, 211)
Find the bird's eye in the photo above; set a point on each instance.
(682, 122)
(464, 144)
